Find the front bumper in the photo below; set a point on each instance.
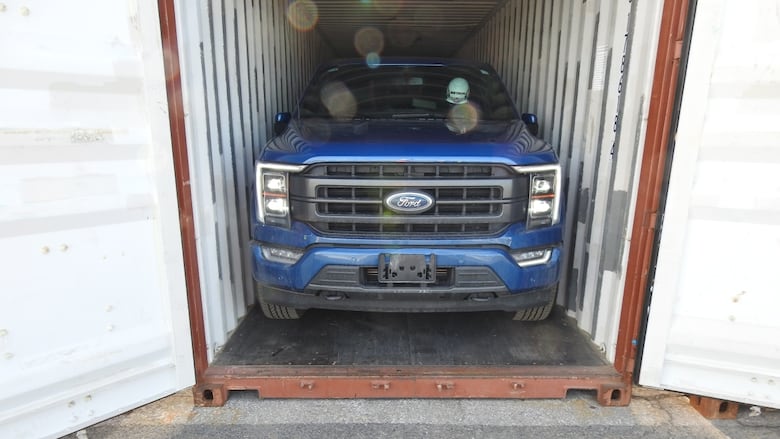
(472, 278)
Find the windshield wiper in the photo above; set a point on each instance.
(417, 116)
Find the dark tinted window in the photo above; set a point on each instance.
(402, 92)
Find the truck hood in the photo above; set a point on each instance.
(309, 141)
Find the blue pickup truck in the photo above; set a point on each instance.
(406, 185)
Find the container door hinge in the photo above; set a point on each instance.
(678, 46)
(651, 220)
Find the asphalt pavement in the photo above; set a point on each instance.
(651, 414)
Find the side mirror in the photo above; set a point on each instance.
(281, 120)
(531, 122)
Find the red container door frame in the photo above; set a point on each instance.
(612, 384)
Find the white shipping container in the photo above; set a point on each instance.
(94, 318)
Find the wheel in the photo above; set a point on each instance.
(274, 311)
(535, 314)
(280, 312)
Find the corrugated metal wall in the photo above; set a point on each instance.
(584, 67)
(242, 62)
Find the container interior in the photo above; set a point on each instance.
(343, 338)
(584, 67)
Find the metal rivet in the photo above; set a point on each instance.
(3, 332)
(110, 328)
(732, 318)
(88, 398)
(8, 355)
(2, 7)
(71, 404)
(45, 250)
(24, 10)
(754, 379)
(64, 247)
(109, 308)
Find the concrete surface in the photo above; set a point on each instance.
(651, 414)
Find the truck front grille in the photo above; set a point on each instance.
(348, 199)
(407, 170)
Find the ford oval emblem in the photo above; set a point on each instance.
(409, 202)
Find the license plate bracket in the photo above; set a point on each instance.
(405, 268)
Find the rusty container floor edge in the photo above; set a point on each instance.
(334, 354)
(523, 382)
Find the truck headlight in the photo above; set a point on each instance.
(539, 208)
(272, 187)
(544, 194)
(541, 185)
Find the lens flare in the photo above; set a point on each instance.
(462, 118)
(369, 39)
(373, 60)
(303, 15)
(339, 101)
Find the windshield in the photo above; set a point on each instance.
(406, 92)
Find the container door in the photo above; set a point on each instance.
(93, 312)
(713, 325)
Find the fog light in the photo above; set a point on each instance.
(282, 255)
(533, 257)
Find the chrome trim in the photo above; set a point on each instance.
(392, 200)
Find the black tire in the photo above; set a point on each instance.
(280, 312)
(274, 311)
(535, 314)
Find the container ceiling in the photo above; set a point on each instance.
(400, 27)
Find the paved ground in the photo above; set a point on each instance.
(651, 414)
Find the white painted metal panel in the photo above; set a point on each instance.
(241, 61)
(93, 312)
(584, 69)
(713, 327)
